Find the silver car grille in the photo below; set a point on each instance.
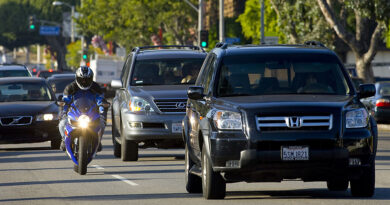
(171, 105)
(15, 120)
(280, 123)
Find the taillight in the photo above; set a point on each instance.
(383, 103)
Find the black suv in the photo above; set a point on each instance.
(150, 104)
(270, 113)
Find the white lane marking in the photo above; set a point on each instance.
(97, 166)
(125, 180)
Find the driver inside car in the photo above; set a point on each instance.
(313, 86)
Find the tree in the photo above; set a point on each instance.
(371, 19)
(132, 22)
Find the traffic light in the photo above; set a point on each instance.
(204, 38)
(85, 55)
(31, 21)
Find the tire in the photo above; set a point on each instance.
(117, 146)
(337, 184)
(82, 155)
(193, 182)
(129, 149)
(365, 186)
(55, 143)
(213, 185)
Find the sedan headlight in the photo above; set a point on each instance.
(83, 121)
(227, 120)
(139, 104)
(356, 118)
(47, 117)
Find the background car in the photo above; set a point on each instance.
(14, 70)
(379, 105)
(28, 111)
(58, 82)
(47, 73)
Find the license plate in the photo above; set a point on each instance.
(294, 153)
(176, 128)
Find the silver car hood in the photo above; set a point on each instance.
(152, 92)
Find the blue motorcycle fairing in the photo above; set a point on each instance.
(84, 104)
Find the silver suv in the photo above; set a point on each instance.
(151, 100)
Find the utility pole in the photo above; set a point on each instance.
(221, 21)
(200, 21)
(262, 36)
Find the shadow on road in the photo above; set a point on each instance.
(146, 171)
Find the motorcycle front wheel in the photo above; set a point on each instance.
(82, 155)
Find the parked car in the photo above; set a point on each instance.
(151, 101)
(273, 113)
(28, 111)
(58, 82)
(379, 105)
(14, 70)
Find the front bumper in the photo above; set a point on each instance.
(139, 127)
(242, 160)
(35, 132)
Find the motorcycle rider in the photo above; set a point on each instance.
(83, 83)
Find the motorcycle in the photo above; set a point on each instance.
(83, 131)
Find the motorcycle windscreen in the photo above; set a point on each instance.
(84, 104)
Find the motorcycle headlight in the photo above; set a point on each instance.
(227, 120)
(84, 121)
(139, 104)
(356, 118)
(47, 117)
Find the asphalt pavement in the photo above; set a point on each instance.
(34, 174)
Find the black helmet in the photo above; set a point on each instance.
(84, 77)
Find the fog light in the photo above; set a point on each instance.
(354, 162)
(135, 124)
(233, 164)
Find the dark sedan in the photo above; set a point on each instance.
(58, 82)
(28, 112)
(379, 105)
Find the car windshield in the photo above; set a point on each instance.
(24, 91)
(59, 85)
(280, 74)
(166, 71)
(14, 73)
(384, 90)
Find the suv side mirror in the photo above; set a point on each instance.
(195, 92)
(366, 90)
(116, 84)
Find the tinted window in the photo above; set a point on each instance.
(125, 70)
(281, 74)
(166, 71)
(10, 92)
(59, 85)
(209, 74)
(14, 73)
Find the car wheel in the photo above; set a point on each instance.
(193, 182)
(365, 185)
(115, 134)
(55, 143)
(337, 184)
(129, 149)
(213, 185)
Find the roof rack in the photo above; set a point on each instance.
(138, 49)
(221, 45)
(314, 43)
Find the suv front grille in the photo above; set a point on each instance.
(171, 105)
(16, 120)
(283, 123)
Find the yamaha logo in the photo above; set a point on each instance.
(180, 105)
(294, 122)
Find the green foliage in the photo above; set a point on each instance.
(132, 22)
(73, 57)
(250, 21)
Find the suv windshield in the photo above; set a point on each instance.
(166, 71)
(280, 74)
(23, 91)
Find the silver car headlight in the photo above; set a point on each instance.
(47, 117)
(139, 104)
(356, 118)
(227, 120)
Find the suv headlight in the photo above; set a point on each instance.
(47, 117)
(356, 118)
(139, 104)
(227, 120)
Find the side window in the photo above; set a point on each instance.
(209, 75)
(203, 71)
(125, 70)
